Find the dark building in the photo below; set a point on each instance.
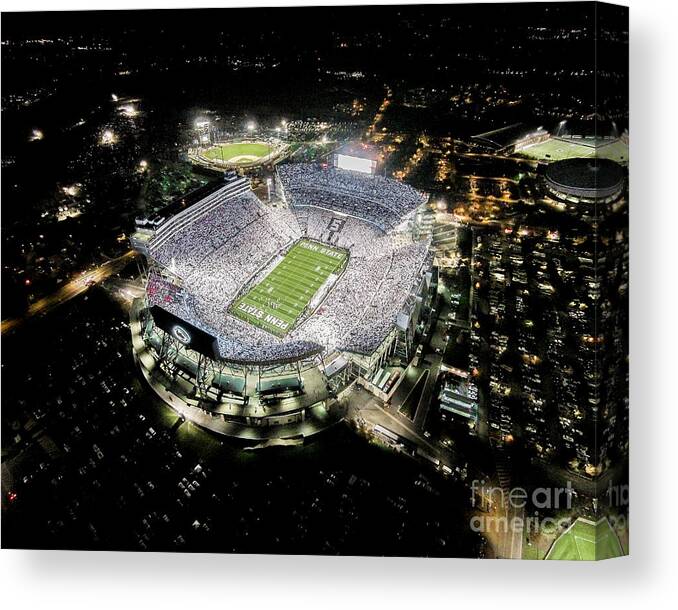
(549, 318)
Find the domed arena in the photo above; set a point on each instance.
(585, 179)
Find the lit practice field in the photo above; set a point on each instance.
(277, 302)
(586, 541)
(238, 152)
(557, 150)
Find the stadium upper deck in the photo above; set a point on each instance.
(381, 201)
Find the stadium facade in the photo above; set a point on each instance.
(256, 316)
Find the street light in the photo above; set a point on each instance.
(108, 138)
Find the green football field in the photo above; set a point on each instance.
(556, 150)
(277, 302)
(586, 541)
(231, 152)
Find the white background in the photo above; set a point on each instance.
(130, 580)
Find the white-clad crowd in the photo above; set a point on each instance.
(381, 201)
(227, 242)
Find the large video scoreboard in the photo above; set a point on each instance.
(356, 164)
(360, 158)
(192, 337)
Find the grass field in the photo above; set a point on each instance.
(277, 302)
(586, 541)
(231, 153)
(555, 150)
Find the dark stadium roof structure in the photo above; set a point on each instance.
(506, 136)
(591, 178)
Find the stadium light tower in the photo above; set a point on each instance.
(251, 126)
(202, 128)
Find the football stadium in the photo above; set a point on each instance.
(569, 139)
(586, 540)
(257, 314)
(558, 149)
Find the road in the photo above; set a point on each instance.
(512, 547)
(365, 408)
(501, 522)
(70, 289)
